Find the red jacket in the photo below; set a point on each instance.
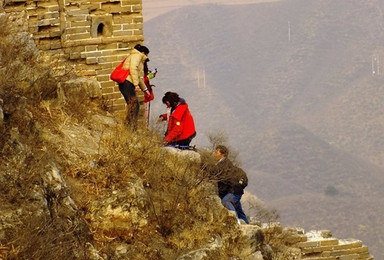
(149, 87)
(180, 124)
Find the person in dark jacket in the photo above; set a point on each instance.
(181, 126)
(231, 182)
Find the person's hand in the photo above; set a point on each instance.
(160, 119)
(147, 93)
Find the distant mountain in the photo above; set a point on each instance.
(294, 154)
(154, 8)
(291, 84)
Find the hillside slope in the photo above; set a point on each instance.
(295, 79)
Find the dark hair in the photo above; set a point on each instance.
(142, 49)
(146, 70)
(223, 150)
(172, 97)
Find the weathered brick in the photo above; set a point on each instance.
(342, 252)
(102, 78)
(91, 54)
(91, 60)
(349, 257)
(51, 21)
(75, 55)
(81, 23)
(130, 2)
(365, 256)
(48, 15)
(77, 12)
(138, 19)
(112, 95)
(78, 30)
(46, 4)
(104, 71)
(90, 48)
(326, 253)
(123, 33)
(103, 67)
(109, 46)
(107, 84)
(55, 45)
(136, 7)
(108, 90)
(54, 33)
(90, 6)
(132, 27)
(353, 242)
(86, 73)
(362, 249)
(77, 18)
(327, 242)
(106, 59)
(308, 244)
(53, 8)
(79, 36)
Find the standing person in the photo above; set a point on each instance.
(181, 126)
(231, 184)
(135, 81)
(148, 75)
(147, 99)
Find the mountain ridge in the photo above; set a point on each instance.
(316, 84)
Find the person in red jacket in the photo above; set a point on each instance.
(181, 126)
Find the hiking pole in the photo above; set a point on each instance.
(149, 111)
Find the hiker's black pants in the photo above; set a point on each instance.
(133, 105)
(184, 142)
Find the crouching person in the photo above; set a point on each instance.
(181, 126)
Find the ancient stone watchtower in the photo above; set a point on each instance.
(90, 37)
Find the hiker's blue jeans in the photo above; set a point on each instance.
(232, 202)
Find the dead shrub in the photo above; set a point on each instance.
(23, 72)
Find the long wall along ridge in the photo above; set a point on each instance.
(91, 37)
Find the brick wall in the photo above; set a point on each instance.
(88, 37)
(318, 245)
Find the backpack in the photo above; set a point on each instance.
(241, 177)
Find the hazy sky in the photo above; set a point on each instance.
(153, 8)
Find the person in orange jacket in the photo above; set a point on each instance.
(181, 126)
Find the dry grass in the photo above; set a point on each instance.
(25, 82)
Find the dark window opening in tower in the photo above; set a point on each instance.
(100, 29)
